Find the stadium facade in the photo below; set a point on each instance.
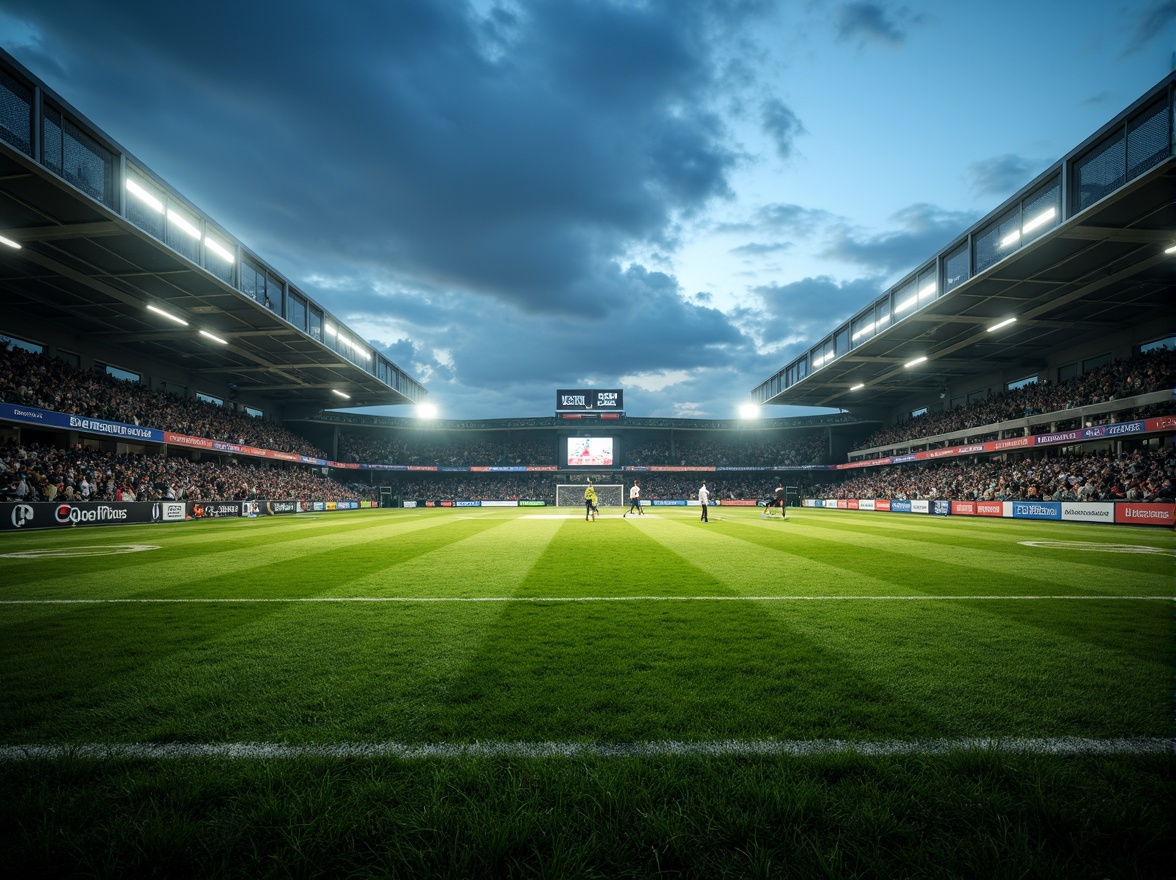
(1074, 270)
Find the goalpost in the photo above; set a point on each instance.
(572, 494)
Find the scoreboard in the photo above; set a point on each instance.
(589, 400)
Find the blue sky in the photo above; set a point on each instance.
(674, 198)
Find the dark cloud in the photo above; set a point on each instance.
(782, 126)
(800, 314)
(923, 230)
(760, 249)
(508, 155)
(1004, 175)
(1146, 22)
(865, 23)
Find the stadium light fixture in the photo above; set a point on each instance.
(749, 411)
(182, 222)
(426, 411)
(1170, 250)
(857, 387)
(9, 242)
(219, 249)
(917, 360)
(167, 315)
(147, 198)
(1003, 323)
(213, 337)
(1040, 220)
(341, 394)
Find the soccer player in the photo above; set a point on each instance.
(590, 508)
(779, 499)
(635, 499)
(704, 500)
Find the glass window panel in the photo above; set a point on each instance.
(1148, 142)
(955, 268)
(1042, 211)
(296, 311)
(51, 137)
(183, 232)
(87, 164)
(144, 205)
(1100, 171)
(998, 239)
(315, 324)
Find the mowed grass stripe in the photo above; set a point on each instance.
(1062, 562)
(624, 672)
(934, 565)
(209, 567)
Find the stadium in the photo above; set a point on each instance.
(251, 634)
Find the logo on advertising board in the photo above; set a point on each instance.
(275, 507)
(22, 515)
(1089, 511)
(68, 513)
(900, 507)
(1037, 510)
(214, 509)
(881, 504)
(963, 508)
(920, 506)
(990, 508)
(1146, 514)
(866, 504)
(941, 507)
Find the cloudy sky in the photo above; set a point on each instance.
(670, 197)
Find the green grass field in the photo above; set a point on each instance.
(501, 692)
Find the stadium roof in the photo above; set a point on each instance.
(1082, 251)
(102, 240)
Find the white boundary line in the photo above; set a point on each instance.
(570, 599)
(656, 749)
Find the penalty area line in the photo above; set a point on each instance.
(657, 749)
(570, 599)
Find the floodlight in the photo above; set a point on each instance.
(426, 411)
(1003, 323)
(213, 337)
(917, 360)
(143, 195)
(217, 248)
(167, 315)
(9, 242)
(340, 393)
(859, 385)
(749, 411)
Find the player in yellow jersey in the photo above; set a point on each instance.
(590, 508)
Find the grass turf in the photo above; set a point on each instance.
(503, 627)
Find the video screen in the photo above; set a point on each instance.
(590, 452)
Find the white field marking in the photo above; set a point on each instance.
(1097, 547)
(253, 751)
(574, 516)
(92, 550)
(566, 599)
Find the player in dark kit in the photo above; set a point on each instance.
(779, 499)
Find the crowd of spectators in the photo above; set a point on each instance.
(43, 473)
(461, 450)
(1141, 475)
(37, 380)
(791, 449)
(1141, 374)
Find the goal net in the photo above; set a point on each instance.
(572, 495)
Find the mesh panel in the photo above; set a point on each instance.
(1100, 171)
(87, 165)
(16, 114)
(955, 268)
(51, 139)
(998, 239)
(1042, 210)
(218, 265)
(179, 235)
(142, 215)
(1148, 143)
